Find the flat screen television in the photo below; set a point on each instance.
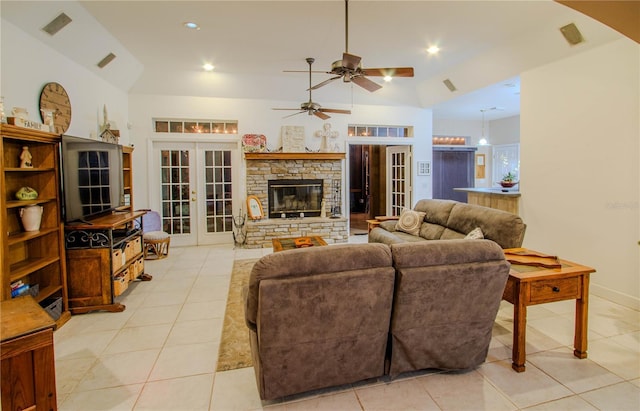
(92, 182)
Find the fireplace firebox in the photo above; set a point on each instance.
(295, 198)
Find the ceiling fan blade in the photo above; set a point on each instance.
(295, 114)
(321, 115)
(286, 108)
(317, 86)
(350, 61)
(333, 110)
(366, 83)
(305, 71)
(389, 71)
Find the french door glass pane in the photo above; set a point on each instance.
(175, 191)
(217, 174)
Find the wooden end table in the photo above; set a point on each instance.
(530, 285)
(289, 243)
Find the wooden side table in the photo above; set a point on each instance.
(530, 285)
(27, 360)
(289, 243)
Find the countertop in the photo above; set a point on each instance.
(510, 192)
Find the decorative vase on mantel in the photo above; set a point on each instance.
(31, 217)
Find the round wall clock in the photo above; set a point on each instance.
(54, 98)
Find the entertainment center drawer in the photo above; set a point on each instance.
(555, 290)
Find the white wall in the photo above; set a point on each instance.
(27, 65)
(580, 127)
(257, 117)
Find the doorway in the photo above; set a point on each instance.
(379, 183)
(193, 189)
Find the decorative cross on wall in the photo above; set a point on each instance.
(325, 134)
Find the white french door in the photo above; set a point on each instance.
(399, 186)
(195, 189)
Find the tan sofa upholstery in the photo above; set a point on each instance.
(448, 219)
(319, 317)
(324, 316)
(447, 296)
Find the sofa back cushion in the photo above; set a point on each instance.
(504, 228)
(321, 317)
(446, 300)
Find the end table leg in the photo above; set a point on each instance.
(582, 305)
(519, 331)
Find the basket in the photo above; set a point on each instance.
(53, 306)
(121, 283)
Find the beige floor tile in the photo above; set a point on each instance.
(202, 293)
(119, 369)
(525, 389)
(616, 358)
(398, 395)
(157, 298)
(573, 403)
(608, 325)
(139, 338)
(498, 351)
(95, 322)
(185, 360)
(630, 341)
(165, 314)
(636, 382)
(560, 328)
(69, 373)
(202, 311)
(82, 345)
(343, 401)
(170, 284)
(535, 340)
(478, 392)
(235, 390)
(121, 398)
(189, 393)
(576, 374)
(191, 332)
(620, 397)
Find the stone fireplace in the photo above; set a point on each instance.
(302, 171)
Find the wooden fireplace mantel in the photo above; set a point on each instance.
(294, 156)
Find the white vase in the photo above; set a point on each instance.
(31, 217)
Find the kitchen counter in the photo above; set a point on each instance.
(505, 199)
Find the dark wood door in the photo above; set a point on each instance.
(452, 168)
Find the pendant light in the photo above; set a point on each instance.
(483, 140)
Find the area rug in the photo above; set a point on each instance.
(235, 351)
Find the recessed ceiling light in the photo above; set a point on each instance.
(433, 49)
(387, 78)
(191, 25)
(208, 67)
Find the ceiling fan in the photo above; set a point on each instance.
(313, 108)
(350, 69)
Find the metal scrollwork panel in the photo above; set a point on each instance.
(87, 239)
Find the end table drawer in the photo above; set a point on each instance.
(555, 290)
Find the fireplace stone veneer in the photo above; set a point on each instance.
(290, 166)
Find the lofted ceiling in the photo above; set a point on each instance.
(485, 45)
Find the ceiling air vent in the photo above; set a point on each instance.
(572, 34)
(108, 59)
(449, 85)
(57, 24)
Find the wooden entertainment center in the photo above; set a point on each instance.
(103, 256)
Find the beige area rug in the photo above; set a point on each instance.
(235, 351)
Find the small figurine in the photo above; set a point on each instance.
(25, 158)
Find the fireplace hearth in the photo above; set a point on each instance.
(295, 198)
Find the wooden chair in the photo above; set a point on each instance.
(155, 241)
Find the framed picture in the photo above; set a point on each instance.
(254, 208)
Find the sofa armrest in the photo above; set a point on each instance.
(387, 217)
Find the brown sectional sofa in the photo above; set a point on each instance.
(327, 316)
(448, 219)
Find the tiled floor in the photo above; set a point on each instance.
(161, 352)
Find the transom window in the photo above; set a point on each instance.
(196, 126)
(364, 130)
